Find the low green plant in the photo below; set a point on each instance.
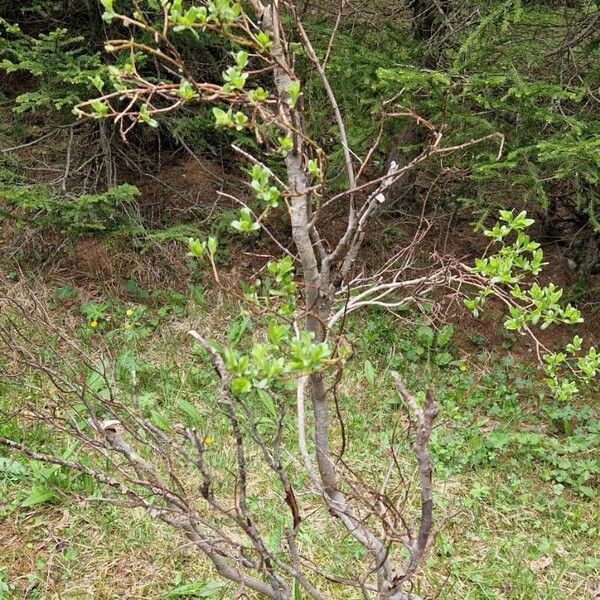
(5, 586)
(63, 294)
(429, 345)
(37, 483)
(41, 207)
(490, 426)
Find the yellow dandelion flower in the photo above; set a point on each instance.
(463, 368)
(208, 440)
(127, 325)
(94, 324)
(129, 312)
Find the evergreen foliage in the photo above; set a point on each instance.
(59, 62)
(528, 70)
(513, 72)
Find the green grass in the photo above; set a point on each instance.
(517, 508)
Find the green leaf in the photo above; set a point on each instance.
(97, 384)
(12, 469)
(222, 118)
(159, 420)
(186, 91)
(445, 335)
(195, 589)
(313, 168)
(196, 247)
(234, 79)
(241, 59)
(194, 416)
(38, 495)
(442, 359)
(100, 109)
(98, 82)
(212, 245)
(425, 336)
(241, 385)
(293, 93)
(370, 373)
(276, 332)
(264, 42)
(296, 590)
(239, 120)
(146, 118)
(258, 95)
(109, 13)
(286, 144)
(245, 223)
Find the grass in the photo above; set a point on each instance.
(516, 476)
